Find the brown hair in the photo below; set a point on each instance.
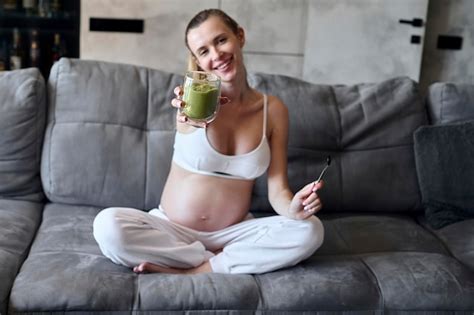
(200, 18)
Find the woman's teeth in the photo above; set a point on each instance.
(224, 65)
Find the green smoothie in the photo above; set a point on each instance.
(200, 100)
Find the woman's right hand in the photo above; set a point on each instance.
(178, 103)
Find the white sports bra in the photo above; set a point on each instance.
(193, 152)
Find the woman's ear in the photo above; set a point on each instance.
(241, 36)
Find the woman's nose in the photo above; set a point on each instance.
(215, 54)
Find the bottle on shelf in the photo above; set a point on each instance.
(3, 55)
(58, 49)
(44, 8)
(16, 51)
(35, 52)
(30, 7)
(55, 8)
(9, 5)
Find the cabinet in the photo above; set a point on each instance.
(38, 26)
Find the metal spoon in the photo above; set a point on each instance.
(328, 162)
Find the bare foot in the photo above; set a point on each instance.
(147, 267)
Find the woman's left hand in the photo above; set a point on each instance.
(306, 202)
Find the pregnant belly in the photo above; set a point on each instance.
(205, 203)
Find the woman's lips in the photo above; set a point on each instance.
(224, 66)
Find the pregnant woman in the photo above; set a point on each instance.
(203, 223)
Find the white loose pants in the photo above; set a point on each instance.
(129, 237)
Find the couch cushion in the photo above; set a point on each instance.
(115, 121)
(366, 128)
(65, 262)
(450, 102)
(110, 134)
(19, 221)
(457, 238)
(365, 233)
(445, 166)
(422, 282)
(22, 120)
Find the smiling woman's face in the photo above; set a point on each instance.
(217, 48)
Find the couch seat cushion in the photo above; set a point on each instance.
(458, 239)
(18, 223)
(364, 233)
(413, 281)
(66, 263)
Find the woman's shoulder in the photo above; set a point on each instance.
(277, 115)
(276, 106)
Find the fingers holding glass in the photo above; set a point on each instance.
(201, 96)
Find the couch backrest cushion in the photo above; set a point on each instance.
(110, 134)
(22, 122)
(109, 138)
(368, 131)
(450, 102)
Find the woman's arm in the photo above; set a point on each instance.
(283, 201)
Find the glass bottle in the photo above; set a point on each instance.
(16, 53)
(9, 5)
(35, 52)
(55, 6)
(3, 55)
(29, 6)
(44, 8)
(58, 50)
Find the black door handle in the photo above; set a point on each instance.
(416, 22)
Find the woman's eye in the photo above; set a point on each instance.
(222, 40)
(202, 52)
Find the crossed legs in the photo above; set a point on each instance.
(149, 242)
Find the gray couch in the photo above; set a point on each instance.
(101, 134)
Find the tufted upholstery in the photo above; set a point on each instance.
(114, 124)
(109, 142)
(366, 128)
(22, 118)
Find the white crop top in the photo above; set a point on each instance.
(193, 152)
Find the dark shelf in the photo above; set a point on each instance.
(65, 22)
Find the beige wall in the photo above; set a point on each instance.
(161, 45)
(277, 32)
(449, 17)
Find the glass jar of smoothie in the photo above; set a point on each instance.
(201, 96)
